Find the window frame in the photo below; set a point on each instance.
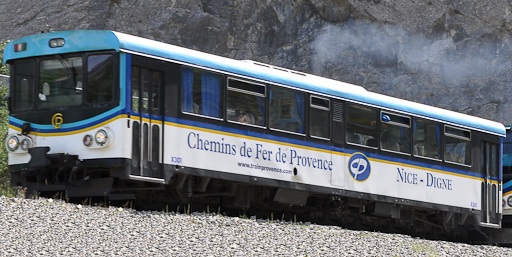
(279, 111)
(394, 124)
(115, 75)
(459, 137)
(439, 145)
(251, 89)
(15, 98)
(373, 126)
(150, 109)
(327, 108)
(37, 98)
(200, 72)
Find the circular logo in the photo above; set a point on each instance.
(57, 120)
(359, 167)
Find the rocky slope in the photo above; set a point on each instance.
(448, 53)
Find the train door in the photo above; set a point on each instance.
(491, 196)
(147, 124)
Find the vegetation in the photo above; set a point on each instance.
(5, 188)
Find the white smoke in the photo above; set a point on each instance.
(363, 44)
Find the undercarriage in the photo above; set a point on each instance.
(186, 193)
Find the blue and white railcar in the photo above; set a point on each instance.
(102, 113)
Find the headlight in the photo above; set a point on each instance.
(509, 201)
(13, 143)
(101, 137)
(87, 140)
(56, 42)
(25, 144)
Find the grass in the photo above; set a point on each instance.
(5, 187)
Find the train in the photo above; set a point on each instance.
(108, 115)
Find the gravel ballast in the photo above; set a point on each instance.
(47, 227)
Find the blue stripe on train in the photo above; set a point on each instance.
(326, 147)
(68, 127)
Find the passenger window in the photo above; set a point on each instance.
(319, 124)
(457, 145)
(395, 132)
(246, 102)
(427, 139)
(361, 124)
(201, 92)
(287, 110)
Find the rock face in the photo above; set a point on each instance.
(452, 54)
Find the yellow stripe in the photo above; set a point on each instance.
(245, 137)
(54, 134)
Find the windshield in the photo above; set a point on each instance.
(60, 82)
(64, 80)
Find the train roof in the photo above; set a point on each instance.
(94, 40)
